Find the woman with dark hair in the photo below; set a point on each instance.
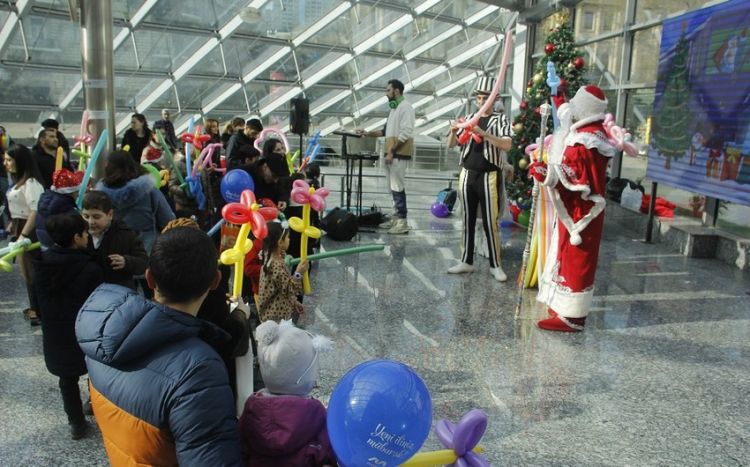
(273, 147)
(137, 137)
(135, 199)
(23, 199)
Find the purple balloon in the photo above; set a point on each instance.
(464, 437)
(440, 210)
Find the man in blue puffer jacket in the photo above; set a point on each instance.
(160, 393)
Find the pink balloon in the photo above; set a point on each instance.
(490, 101)
(301, 195)
(262, 139)
(618, 136)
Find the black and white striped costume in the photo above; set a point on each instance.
(485, 188)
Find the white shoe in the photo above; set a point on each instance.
(387, 224)
(498, 274)
(461, 268)
(400, 226)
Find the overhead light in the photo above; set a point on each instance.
(435, 128)
(279, 101)
(194, 59)
(434, 41)
(378, 73)
(275, 57)
(121, 37)
(71, 95)
(330, 128)
(182, 127)
(419, 80)
(383, 33)
(222, 97)
(327, 70)
(473, 51)
(317, 108)
(230, 27)
(424, 6)
(481, 14)
(376, 124)
(380, 101)
(423, 101)
(155, 94)
(444, 109)
(458, 83)
(144, 10)
(321, 23)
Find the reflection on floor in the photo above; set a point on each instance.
(659, 377)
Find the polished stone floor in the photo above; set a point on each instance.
(659, 377)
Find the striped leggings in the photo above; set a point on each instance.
(483, 189)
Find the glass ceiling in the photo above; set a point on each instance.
(226, 58)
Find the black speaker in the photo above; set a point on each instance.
(299, 117)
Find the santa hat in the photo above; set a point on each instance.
(154, 153)
(589, 103)
(64, 181)
(288, 357)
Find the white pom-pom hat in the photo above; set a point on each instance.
(288, 357)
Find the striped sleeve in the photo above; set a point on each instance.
(504, 126)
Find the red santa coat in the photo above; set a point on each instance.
(577, 186)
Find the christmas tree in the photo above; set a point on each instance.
(569, 66)
(671, 136)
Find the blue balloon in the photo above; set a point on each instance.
(234, 183)
(380, 413)
(440, 210)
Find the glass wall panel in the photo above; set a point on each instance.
(645, 60)
(649, 10)
(597, 17)
(603, 62)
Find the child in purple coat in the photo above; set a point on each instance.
(282, 424)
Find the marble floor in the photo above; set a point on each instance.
(659, 377)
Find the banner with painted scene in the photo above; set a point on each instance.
(701, 120)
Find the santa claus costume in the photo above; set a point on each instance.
(576, 182)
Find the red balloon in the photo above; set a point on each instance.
(549, 48)
(578, 63)
(236, 213)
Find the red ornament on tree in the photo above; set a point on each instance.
(578, 63)
(549, 48)
(523, 105)
(537, 111)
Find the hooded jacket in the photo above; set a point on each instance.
(141, 206)
(63, 280)
(284, 430)
(50, 204)
(160, 393)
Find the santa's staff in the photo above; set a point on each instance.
(545, 111)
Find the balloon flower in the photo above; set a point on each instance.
(206, 157)
(490, 101)
(161, 177)
(273, 131)
(291, 159)
(619, 137)
(170, 162)
(308, 197)
(90, 167)
(13, 250)
(83, 142)
(460, 440)
(251, 217)
(196, 139)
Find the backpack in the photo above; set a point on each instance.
(448, 196)
(340, 224)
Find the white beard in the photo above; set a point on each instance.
(557, 147)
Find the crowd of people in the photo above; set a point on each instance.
(128, 289)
